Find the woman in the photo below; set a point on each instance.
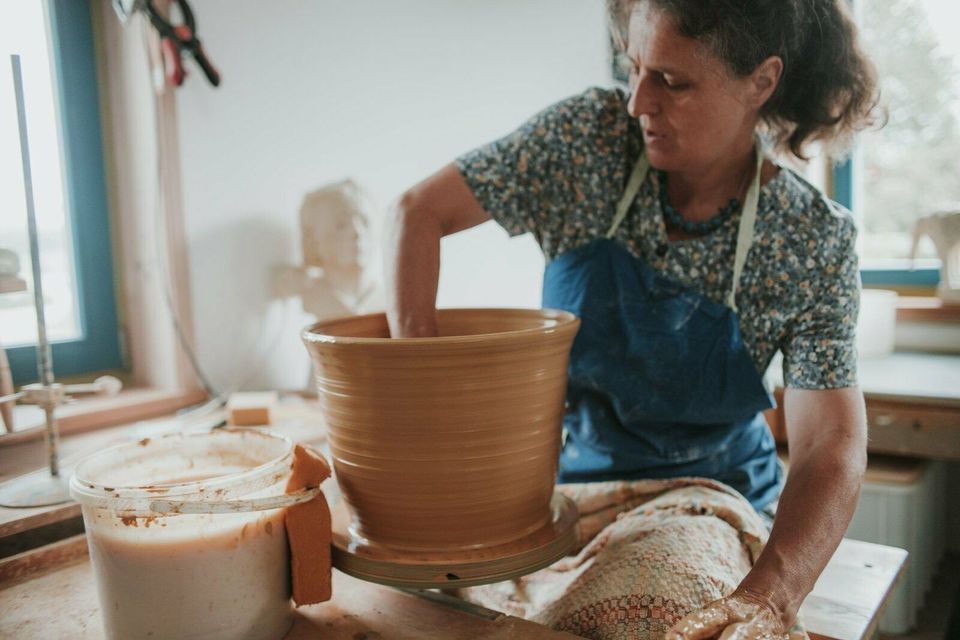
(691, 258)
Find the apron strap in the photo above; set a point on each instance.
(745, 232)
(747, 218)
(630, 192)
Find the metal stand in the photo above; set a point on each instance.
(50, 487)
(38, 489)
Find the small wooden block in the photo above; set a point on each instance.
(247, 408)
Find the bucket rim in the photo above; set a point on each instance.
(138, 499)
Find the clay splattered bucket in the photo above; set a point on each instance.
(447, 442)
(187, 535)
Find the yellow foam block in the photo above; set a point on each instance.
(251, 408)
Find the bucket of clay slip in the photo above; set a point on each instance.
(449, 442)
(186, 535)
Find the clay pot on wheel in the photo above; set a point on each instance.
(447, 442)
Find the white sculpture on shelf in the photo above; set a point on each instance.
(944, 230)
(335, 278)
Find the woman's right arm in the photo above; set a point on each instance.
(440, 205)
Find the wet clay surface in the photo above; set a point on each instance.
(216, 581)
(450, 442)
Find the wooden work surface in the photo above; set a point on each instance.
(848, 598)
(50, 593)
(844, 605)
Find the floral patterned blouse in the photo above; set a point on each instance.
(561, 174)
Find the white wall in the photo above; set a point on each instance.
(381, 91)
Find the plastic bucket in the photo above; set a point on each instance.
(186, 535)
(877, 323)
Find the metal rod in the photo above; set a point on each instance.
(44, 355)
(12, 397)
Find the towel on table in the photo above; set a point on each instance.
(650, 552)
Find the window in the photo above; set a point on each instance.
(55, 42)
(908, 168)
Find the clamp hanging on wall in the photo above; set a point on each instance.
(175, 39)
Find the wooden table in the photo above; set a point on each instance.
(844, 605)
(848, 598)
(50, 593)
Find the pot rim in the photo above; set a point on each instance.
(564, 321)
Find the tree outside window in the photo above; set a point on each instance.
(909, 168)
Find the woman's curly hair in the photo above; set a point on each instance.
(828, 90)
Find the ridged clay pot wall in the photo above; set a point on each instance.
(447, 442)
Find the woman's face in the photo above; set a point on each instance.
(693, 111)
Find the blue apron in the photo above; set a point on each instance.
(660, 382)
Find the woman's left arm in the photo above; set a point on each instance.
(827, 431)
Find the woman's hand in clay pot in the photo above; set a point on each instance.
(739, 616)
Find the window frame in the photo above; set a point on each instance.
(924, 277)
(85, 197)
(843, 192)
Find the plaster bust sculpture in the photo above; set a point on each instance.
(334, 279)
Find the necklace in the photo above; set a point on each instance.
(676, 220)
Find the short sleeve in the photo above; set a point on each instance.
(820, 346)
(551, 171)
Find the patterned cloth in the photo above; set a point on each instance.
(652, 551)
(560, 175)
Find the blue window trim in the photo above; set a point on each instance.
(74, 62)
(843, 193)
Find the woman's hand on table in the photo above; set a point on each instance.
(740, 616)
